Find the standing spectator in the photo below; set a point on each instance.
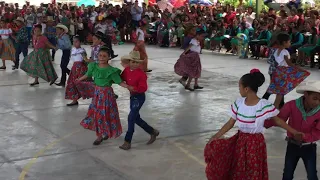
(151, 14)
(73, 26)
(250, 15)
(50, 33)
(136, 12)
(272, 13)
(124, 20)
(80, 30)
(22, 41)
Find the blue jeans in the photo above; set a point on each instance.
(136, 102)
(20, 48)
(53, 41)
(308, 154)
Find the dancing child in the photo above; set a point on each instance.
(136, 79)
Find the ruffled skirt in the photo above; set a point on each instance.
(243, 156)
(188, 65)
(140, 46)
(76, 90)
(103, 116)
(39, 64)
(285, 79)
(8, 52)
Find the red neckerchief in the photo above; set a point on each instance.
(60, 36)
(36, 41)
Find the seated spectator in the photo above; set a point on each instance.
(305, 51)
(219, 36)
(296, 42)
(233, 30)
(263, 39)
(235, 42)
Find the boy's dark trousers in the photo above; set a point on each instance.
(53, 41)
(20, 48)
(308, 154)
(108, 43)
(64, 65)
(136, 102)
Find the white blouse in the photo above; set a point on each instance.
(5, 33)
(195, 46)
(280, 59)
(250, 119)
(140, 34)
(76, 54)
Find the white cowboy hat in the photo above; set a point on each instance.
(311, 86)
(20, 19)
(133, 56)
(62, 27)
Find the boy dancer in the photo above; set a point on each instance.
(303, 114)
(136, 79)
(65, 45)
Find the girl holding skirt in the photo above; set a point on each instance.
(286, 76)
(103, 114)
(7, 48)
(246, 156)
(85, 89)
(189, 65)
(39, 62)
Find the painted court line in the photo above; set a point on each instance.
(190, 155)
(27, 167)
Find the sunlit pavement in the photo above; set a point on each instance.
(41, 138)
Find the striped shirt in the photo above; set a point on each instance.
(5, 33)
(250, 119)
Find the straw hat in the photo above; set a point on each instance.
(20, 19)
(50, 19)
(62, 27)
(133, 56)
(311, 86)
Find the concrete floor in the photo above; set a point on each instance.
(41, 138)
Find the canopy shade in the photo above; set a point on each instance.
(86, 3)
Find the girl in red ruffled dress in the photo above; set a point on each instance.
(75, 90)
(244, 155)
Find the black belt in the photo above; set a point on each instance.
(298, 143)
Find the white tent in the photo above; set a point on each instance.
(32, 2)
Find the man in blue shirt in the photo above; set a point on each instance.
(65, 45)
(136, 12)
